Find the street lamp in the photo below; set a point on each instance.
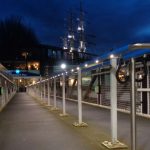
(63, 66)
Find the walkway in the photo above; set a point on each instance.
(25, 125)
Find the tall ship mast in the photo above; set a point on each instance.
(71, 35)
(81, 30)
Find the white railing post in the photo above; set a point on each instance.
(133, 105)
(113, 100)
(113, 95)
(55, 105)
(63, 96)
(80, 123)
(49, 92)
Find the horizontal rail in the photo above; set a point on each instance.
(143, 89)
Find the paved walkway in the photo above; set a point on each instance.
(99, 119)
(25, 125)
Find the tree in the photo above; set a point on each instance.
(15, 37)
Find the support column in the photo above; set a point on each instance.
(41, 93)
(63, 96)
(80, 123)
(44, 97)
(113, 95)
(133, 105)
(113, 100)
(55, 106)
(148, 94)
(48, 93)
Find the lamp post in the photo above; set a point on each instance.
(63, 66)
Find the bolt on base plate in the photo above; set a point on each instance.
(83, 124)
(63, 115)
(115, 145)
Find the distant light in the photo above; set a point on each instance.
(71, 49)
(66, 72)
(97, 61)
(20, 80)
(65, 47)
(62, 73)
(78, 68)
(138, 44)
(33, 82)
(80, 28)
(72, 70)
(69, 36)
(17, 71)
(111, 56)
(86, 65)
(63, 66)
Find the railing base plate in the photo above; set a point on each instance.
(116, 145)
(83, 124)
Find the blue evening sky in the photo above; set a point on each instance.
(115, 23)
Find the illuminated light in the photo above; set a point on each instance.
(33, 82)
(86, 65)
(140, 76)
(17, 71)
(63, 66)
(111, 56)
(122, 73)
(71, 49)
(71, 82)
(61, 83)
(69, 36)
(66, 72)
(97, 61)
(62, 73)
(138, 44)
(29, 66)
(65, 47)
(20, 80)
(78, 68)
(72, 70)
(79, 28)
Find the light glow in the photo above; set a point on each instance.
(63, 66)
